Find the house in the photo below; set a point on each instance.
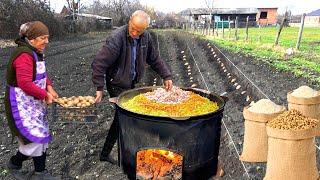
(65, 11)
(223, 15)
(312, 19)
(99, 22)
(88, 21)
(220, 16)
(267, 16)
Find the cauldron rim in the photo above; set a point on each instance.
(201, 92)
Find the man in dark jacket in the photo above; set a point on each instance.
(121, 63)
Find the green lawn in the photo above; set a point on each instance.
(305, 62)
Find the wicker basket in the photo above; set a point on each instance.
(61, 114)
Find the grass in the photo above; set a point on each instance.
(304, 63)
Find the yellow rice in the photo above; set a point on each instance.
(193, 106)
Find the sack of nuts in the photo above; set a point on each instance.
(291, 147)
(307, 101)
(256, 115)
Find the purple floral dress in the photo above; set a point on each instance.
(28, 112)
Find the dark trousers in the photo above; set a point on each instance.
(114, 128)
(111, 137)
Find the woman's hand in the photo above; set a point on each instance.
(49, 98)
(52, 92)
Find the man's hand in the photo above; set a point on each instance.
(52, 92)
(49, 98)
(113, 99)
(99, 95)
(168, 84)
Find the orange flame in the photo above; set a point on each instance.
(157, 163)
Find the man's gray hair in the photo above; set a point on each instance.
(141, 14)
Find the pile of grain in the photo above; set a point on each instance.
(305, 92)
(265, 106)
(292, 120)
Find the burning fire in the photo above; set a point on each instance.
(157, 163)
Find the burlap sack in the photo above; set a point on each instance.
(309, 107)
(255, 143)
(291, 155)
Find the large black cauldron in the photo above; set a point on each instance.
(196, 138)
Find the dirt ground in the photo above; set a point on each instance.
(74, 152)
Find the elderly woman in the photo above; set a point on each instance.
(29, 90)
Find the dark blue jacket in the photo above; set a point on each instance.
(112, 64)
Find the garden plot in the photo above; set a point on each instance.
(267, 83)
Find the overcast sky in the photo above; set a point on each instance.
(296, 6)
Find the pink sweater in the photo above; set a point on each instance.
(23, 65)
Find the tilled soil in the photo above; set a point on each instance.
(74, 153)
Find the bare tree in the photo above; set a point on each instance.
(209, 5)
(28, 10)
(73, 7)
(119, 10)
(97, 7)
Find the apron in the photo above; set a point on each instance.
(28, 112)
